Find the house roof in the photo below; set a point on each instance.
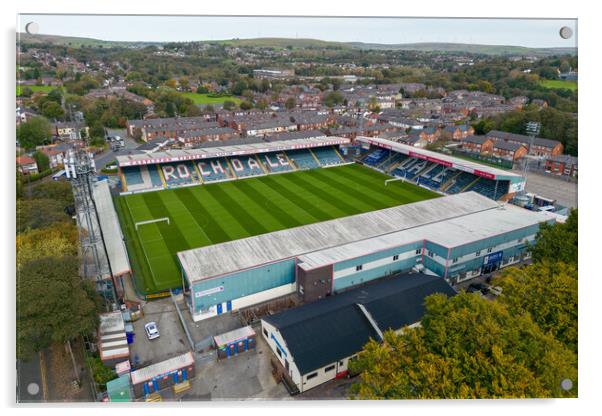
(513, 147)
(502, 135)
(333, 328)
(25, 160)
(476, 139)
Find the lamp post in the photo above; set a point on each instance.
(532, 128)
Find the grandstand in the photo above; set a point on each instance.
(174, 168)
(179, 174)
(214, 170)
(303, 159)
(244, 166)
(439, 172)
(276, 162)
(327, 156)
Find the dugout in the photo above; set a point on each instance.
(234, 342)
(165, 374)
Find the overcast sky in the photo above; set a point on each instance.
(524, 32)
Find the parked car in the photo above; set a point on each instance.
(152, 330)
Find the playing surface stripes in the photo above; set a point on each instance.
(215, 213)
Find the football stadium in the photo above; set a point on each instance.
(240, 224)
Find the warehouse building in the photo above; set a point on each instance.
(314, 343)
(455, 237)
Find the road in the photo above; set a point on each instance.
(30, 384)
(109, 156)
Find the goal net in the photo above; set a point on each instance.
(138, 224)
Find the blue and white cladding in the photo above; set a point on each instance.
(363, 269)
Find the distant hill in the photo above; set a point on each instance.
(76, 42)
(280, 43)
(283, 43)
(469, 48)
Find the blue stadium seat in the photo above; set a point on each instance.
(244, 166)
(376, 157)
(487, 188)
(303, 159)
(214, 169)
(461, 181)
(153, 171)
(327, 156)
(179, 174)
(275, 162)
(132, 175)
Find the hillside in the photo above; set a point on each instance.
(280, 43)
(78, 42)
(469, 48)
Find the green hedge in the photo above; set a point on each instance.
(37, 176)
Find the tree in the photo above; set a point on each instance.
(102, 373)
(34, 132)
(53, 304)
(565, 67)
(52, 110)
(57, 240)
(290, 103)
(558, 242)
(37, 213)
(229, 105)
(333, 98)
(548, 293)
(246, 105)
(262, 104)
(466, 347)
(42, 161)
(59, 191)
(239, 87)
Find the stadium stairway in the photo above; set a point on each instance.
(449, 182)
(230, 169)
(315, 157)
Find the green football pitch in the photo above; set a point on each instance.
(215, 213)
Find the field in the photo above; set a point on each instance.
(206, 99)
(36, 88)
(215, 213)
(559, 84)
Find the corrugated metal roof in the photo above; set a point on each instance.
(164, 367)
(218, 259)
(235, 335)
(175, 155)
(111, 229)
(449, 233)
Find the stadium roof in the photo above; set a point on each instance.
(176, 155)
(447, 160)
(212, 261)
(333, 328)
(449, 233)
(111, 229)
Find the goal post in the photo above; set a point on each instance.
(139, 223)
(393, 180)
